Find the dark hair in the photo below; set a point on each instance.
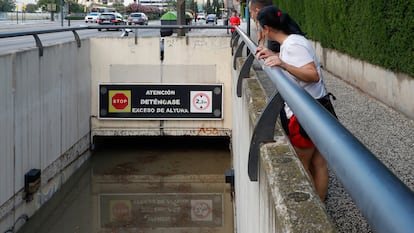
(261, 3)
(273, 17)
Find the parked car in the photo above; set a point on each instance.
(201, 16)
(110, 18)
(211, 18)
(92, 17)
(137, 18)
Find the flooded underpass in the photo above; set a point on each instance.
(144, 184)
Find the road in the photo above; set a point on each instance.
(8, 45)
(20, 43)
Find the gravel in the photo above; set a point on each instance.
(385, 132)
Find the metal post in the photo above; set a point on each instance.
(61, 13)
(68, 13)
(181, 17)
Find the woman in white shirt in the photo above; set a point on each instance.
(298, 61)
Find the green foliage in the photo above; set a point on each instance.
(119, 7)
(31, 8)
(43, 4)
(76, 8)
(380, 32)
(209, 8)
(7, 5)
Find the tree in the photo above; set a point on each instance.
(209, 8)
(119, 7)
(151, 10)
(7, 5)
(76, 8)
(172, 5)
(31, 8)
(215, 6)
(43, 4)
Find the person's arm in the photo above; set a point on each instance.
(263, 52)
(260, 34)
(307, 73)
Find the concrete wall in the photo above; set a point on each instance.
(24, 16)
(393, 89)
(45, 111)
(283, 199)
(187, 60)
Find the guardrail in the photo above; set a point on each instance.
(386, 202)
(39, 45)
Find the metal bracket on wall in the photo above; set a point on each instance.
(238, 54)
(244, 73)
(78, 42)
(263, 132)
(233, 42)
(38, 44)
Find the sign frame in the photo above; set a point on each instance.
(165, 101)
(216, 218)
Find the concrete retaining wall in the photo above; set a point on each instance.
(393, 89)
(191, 60)
(45, 110)
(283, 200)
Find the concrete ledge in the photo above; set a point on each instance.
(288, 201)
(297, 206)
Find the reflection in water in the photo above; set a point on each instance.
(154, 185)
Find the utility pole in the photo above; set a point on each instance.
(61, 13)
(181, 16)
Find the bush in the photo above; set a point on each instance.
(379, 32)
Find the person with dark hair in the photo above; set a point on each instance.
(298, 61)
(254, 7)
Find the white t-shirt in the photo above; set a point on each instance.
(297, 51)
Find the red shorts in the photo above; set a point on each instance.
(296, 138)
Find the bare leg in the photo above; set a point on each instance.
(320, 174)
(316, 167)
(305, 156)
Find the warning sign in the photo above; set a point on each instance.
(201, 210)
(201, 101)
(120, 210)
(161, 102)
(155, 210)
(119, 101)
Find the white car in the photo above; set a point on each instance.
(92, 17)
(201, 16)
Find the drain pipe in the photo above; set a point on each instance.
(161, 78)
(162, 50)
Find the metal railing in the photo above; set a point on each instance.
(39, 45)
(386, 202)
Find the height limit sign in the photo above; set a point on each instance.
(201, 101)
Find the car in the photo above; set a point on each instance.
(211, 18)
(92, 17)
(201, 16)
(110, 18)
(137, 18)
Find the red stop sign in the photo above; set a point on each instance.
(120, 101)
